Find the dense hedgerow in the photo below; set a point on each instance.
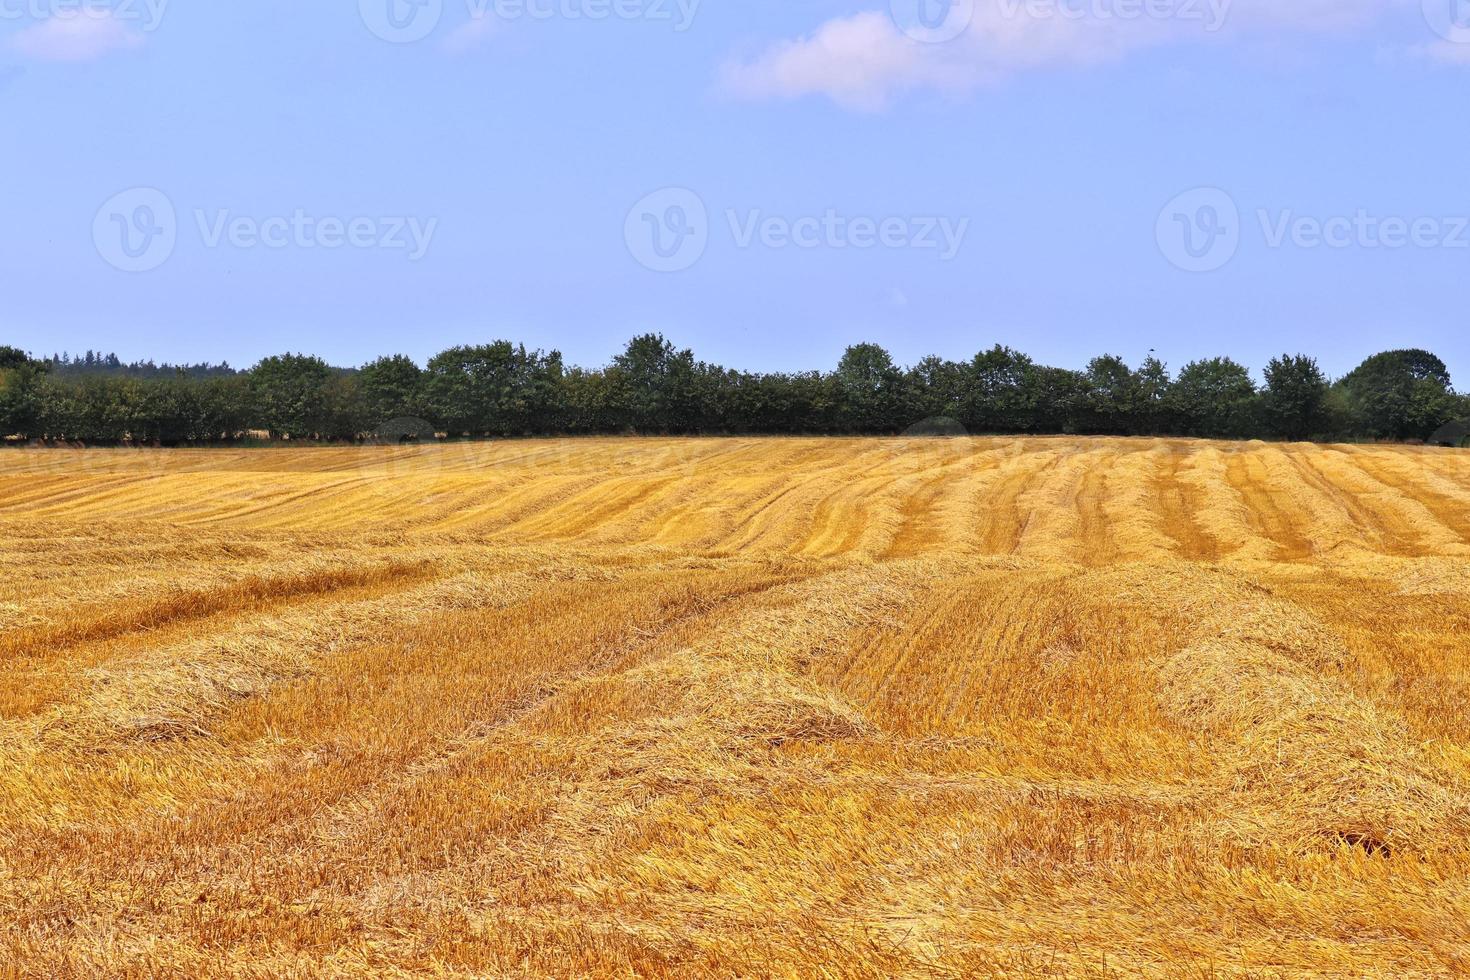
(503, 389)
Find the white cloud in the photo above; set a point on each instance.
(863, 61)
(858, 62)
(83, 35)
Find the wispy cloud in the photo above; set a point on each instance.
(83, 35)
(865, 60)
(859, 62)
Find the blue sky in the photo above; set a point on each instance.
(1112, 176)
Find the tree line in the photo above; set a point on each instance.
(504, 389)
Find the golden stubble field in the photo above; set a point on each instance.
(1043, 707)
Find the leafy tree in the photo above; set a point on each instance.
(788, 404)
(62, 410)
(119, 411)
(1000, 391)
(1295, 398)
(868, 382)
(1059, 399)
(1214, 397)
(503, 389)
(494, 389)
(291, 395)
(20, 399)
(392, 388)
(346, 416)
(170, 411)
(1402, 394)
(93, 362)
(935, 388)
(654, 387)
(1113, 397)
(1154, 385)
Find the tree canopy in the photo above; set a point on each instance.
(505, 389)
(1401, 394)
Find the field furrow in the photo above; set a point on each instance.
(744, 707)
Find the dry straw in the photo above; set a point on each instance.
(766, 707)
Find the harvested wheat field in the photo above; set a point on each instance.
(1042, 707)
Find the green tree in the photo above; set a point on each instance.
(1059, 400)
(935, 388)
(1214, 397)
(1402, 394)
(654, 387)
(64, 410)
(1295, 399)
(1000, 391)
(224, 409)
(290, 392)
(392, 388)
(21, 399)
(868, 383)
(1154, 385)
(503, 389)
(346, 417)
(1113, 397)
(172, 407)
(497, 389)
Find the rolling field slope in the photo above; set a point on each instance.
(1043, 707)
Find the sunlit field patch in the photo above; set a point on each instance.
(933, 707)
